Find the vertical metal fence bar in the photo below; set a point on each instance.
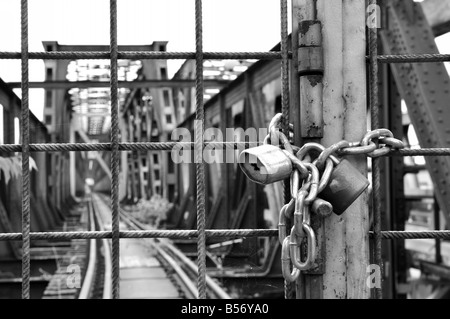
(285, 80)
(374, 109)
(200, 168)
(289, 288)
(115, 155)
(284, 67)
(26, 222)
(437, 226)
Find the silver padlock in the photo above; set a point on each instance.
(265, 164)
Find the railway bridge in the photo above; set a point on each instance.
(108, 209)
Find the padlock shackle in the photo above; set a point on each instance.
(276, 120)
(326, 175)
(274, 133)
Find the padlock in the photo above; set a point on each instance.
(265, 164)
(345, 186)
(346, 183)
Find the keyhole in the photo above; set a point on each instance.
(256, 167)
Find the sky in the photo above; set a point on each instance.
(228, 25)
(225, 23)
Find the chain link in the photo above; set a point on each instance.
(288, 275)
(313, 166)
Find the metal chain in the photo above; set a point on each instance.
(313, 166)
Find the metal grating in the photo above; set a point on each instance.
(115, 147)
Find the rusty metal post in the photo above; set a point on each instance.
(310, 69)
(343, 239)
(345, 113)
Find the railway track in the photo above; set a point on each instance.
(84, 272)
(97, 280)
(158, 258)
(180, 270)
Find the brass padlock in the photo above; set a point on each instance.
(345, 186)
(265, 164)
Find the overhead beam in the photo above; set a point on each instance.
(437, 13)
(92, 114)
(65, 85)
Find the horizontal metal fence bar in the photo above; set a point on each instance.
(144, 55)
(431, 234)
(216, 233)
(169, 146)
(422, 152)
(135, 146)
(65, 85)
(414, 58)
(152, 55)
(174, 234)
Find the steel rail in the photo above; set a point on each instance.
(191, 286)
(188, 284)
(107, 283)
(89, 278)
(210, 283)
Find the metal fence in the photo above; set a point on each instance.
(115, 147)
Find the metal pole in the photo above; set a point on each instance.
(346, 254)
(354, 124)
